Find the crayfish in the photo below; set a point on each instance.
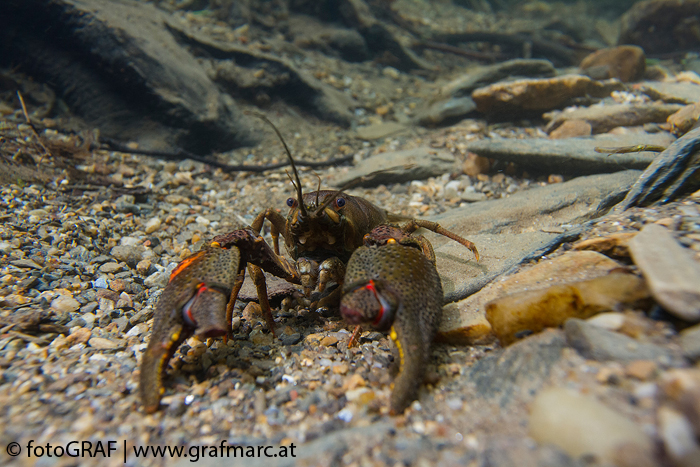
(321, 232)
(392, 283)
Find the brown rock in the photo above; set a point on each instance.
(625, 62)
(329, 340)
(641, 369)
(661, 25)
(464, 322)
(529, 96)
(102, 343)
(475, 165)
(682, 121)
(531, 311)
(340, 368)
(614, 244)
(353, 382)
(79, 336)
(571, 129)
(682, 386)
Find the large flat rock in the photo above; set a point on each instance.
(399, 167)
(576, 156)
(511, 230)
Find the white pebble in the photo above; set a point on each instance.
(136, 330)
(152, 225)
(89, 319)
(612, 321)
(645, 390)
(100, 283)
(64, 304)
(454, 404)
(391, 72)
(129, 241)
(676, 433)
(345, 415)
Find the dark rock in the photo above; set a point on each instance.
(379, 37)
(574, 156)
(117, 67)
(658, 26)
(290, 339)
(312, 34)
(445, 111)
(399, 167)
(600, 344)
(25, 263)
(280, 77)
(673, 173)
(519, 371)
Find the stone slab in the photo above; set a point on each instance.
(576, 156)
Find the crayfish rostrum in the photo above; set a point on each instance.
(321, 232)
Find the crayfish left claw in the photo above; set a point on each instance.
(193, 301)
(206, 312)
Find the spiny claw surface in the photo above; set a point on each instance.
(396, 287)
(193, 301)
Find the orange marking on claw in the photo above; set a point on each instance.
(391, 241)
(184, 263)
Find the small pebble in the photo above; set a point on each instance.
(110, 268)
(102, 343)
(65, 304)
(152, 225)
(641, 369)
(329, 340)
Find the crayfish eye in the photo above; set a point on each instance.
(291, 202)
(339, 202)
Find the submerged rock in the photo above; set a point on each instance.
(625, 62)
(574, 156)
(511, 230)
(534, 96)
(581, 425)
(605, 118)
(672, 274)
(118, 67)
(533, 310)
(399, 167)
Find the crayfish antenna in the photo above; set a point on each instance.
(297, 186)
